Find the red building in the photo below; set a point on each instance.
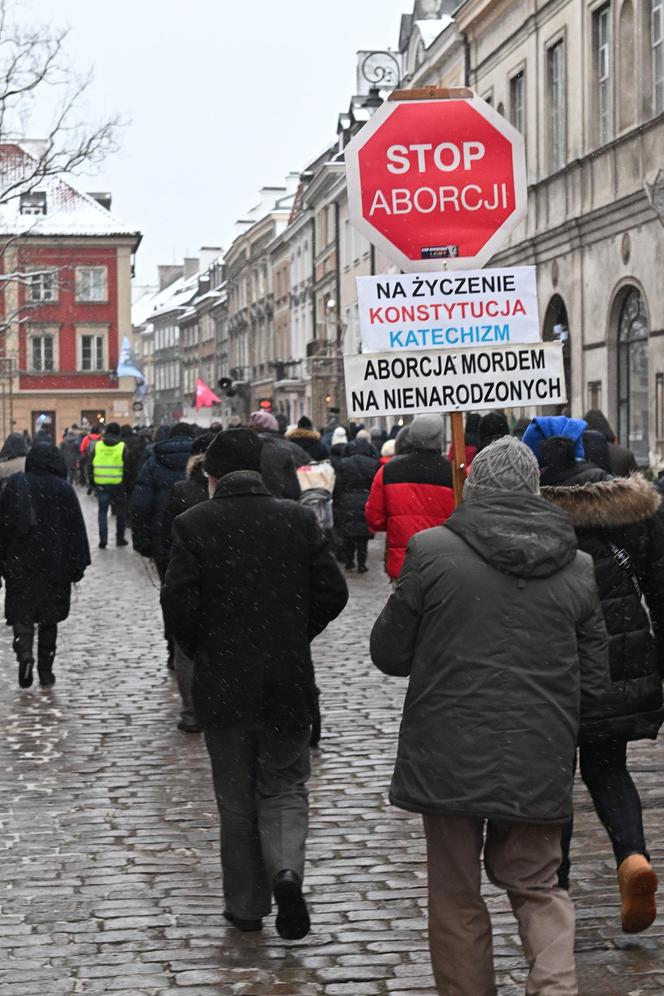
(65, 298)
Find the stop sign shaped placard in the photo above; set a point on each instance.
(437, 184)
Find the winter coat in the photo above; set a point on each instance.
(622, 460)
(309, 440)
(614, 518)
(354, 477)
(278, 468)
(134, 450)
(251, 581)
(184, 495)
(497, 622)
(43, 543)
(70, 447)
(166, 465)
(411, 493)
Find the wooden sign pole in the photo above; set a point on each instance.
(458, 441)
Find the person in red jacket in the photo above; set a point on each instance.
(412, 492)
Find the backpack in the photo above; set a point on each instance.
(319, 501)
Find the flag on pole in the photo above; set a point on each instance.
(128, 365)
(205, 396)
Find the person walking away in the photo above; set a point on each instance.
(622, 461)
(134, 448)
(278, 467)
(184, 495)
(339, 442)
(617, 524)
(354, 477)
(93, 436)
(164, 467)
(70, 447)
(306, 436)
(12, 456)
(108, 466)
(497, 624)
(251, 581)
(387, 451)
(43, 551)
(413, 492)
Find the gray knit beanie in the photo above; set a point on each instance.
(427, 432)
(505, 466)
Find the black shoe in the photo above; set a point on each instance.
(293, 921)
(46, 676)
(122, 542)
(102, 544)
(362, 568)
(349, 565)
(189, 727)
(245, 925)
(25, 667)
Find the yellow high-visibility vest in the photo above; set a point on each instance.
(108, 463)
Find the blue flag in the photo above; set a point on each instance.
(128, 364)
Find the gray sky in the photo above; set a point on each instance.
(224, 96)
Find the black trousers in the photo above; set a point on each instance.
(24, 639)
(361, 545)
(616, 800)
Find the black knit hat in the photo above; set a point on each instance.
(305, 423)
(201, 443)
(234, 449)
(492, 427)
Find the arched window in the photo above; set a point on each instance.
(633, 375)
(556, 329)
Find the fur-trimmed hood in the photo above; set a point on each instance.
(296, 434)
(195, 465)
(623, 501)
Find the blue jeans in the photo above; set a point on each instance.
(112, 495)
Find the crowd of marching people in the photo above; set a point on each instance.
(529, 622)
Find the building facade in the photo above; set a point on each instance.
(65, 300)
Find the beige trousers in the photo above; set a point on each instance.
(519, 858)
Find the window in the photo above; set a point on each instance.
(42, 352)
(516, 100)
(633, 376)
(594, 394)
(33, 203)
(657, 42)
(92, 352)
(43, 287)
(91, 283)
(602, 41)
(558, 105)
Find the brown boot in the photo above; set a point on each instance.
(638, 885)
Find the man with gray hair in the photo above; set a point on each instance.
(497, 623)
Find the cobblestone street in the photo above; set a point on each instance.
(110, 877)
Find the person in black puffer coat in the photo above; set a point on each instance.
(43, 551)
(163, 468)
(354, 477)
(185, 495)
(616, 523)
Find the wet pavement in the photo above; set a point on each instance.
(109, 869)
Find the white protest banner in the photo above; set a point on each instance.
(421, 382)
(448, 310)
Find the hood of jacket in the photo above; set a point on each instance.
(622, 501)
(173, 453)
(309, 434)
(517, 534)
(16, 445)
(111, 440)
(45, 459)
(598, 422)
(195, 467)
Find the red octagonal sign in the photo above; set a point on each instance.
(437, 184)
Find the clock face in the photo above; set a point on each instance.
(381, 69)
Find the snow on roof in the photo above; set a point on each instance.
(430, 29)
(69, 210)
